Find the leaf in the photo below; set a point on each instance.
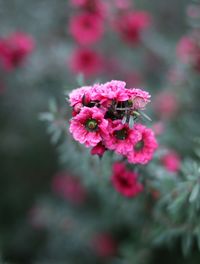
(131, 122)
(145, 116)
(194, 193)
(46, 117)
(186, 244)
(124, 119)
(52, 105)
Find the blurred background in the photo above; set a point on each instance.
(50, 212)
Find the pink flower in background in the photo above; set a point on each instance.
(158, 128)
(89, 126)
(78, 3)
(14, 49)
(68, 187)
(133, 78)
(171, 161)
(104, 245)
(96, 7)
(144, 147)
(125, 181)
(86, 28)
(165, 104)
(99, 150)
(121, 137)
(131, 24)
(176, 75)
(86, 61)
(122, 4)
(186, 49)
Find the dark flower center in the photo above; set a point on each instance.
(121, 134)
(139, 145)
(91, 125)
(124, 182)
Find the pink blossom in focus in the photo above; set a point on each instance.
(76, 96)
(131, 24)
(99, 150)
(14, 49)
(121, 137)
(86, 28)
(138, 98)
(89, 126)
(145, 146)
(165, 104)
(171, 161)
(113, 90)
(86, 61)
(125, 181)
(68, 187)
(104, 245)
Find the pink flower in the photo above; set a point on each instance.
(99, 150)
(188, 51)
(122, 4)
(165, 104)
(145, 146)
(14, 49)
(105, 93)
(69, 188)
(158, 128)
(77, 96)
(86, 28)
(131, 24)
(78, 3)
(104, 245)
(138, 98)
(171, 161)
(125, 181)
(121, 138)
(133, 78)
(89, 126)
(97, 7)
(86, 61)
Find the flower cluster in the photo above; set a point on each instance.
(90, 23)
(104, 117)
(14, 49)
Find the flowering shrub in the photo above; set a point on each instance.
(104, 117)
